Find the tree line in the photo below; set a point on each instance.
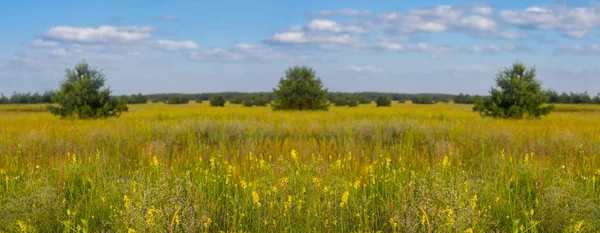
(263, 98)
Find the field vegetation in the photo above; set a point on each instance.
(196, 168)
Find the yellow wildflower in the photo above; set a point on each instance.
(256, 198)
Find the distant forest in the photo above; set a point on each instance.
(333, 97)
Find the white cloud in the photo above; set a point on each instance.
(363, 69)
(245, 52)
(99, 35)
(512, 35)
(44, 43)
(474, 19)
(592, 49)
(309, 38)
(495, 49)
(345, 12)
(418, 47)
(59, 52)
(170, 45)
(574, 22)
(331, 26)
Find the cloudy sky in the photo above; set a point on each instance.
(191, 46)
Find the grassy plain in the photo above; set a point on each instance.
(193, 168)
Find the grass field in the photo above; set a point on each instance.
(193, 168)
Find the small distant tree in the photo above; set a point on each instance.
(364, 100)
(300, 89)
(383, 101)
(340, 102)
(217, 101)
(177, 99)
(518, 95)
(424, 99)
(236, 100)
(352, 102)
(82, 95)
(261, 102)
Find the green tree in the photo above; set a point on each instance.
(353, 102)
(383, 101)
(518, 95)
(300, 89)
(177, 99)
(82, 95)
(217, 101)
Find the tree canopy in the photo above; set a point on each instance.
(300, 89)
(82, 95)
(518, 95)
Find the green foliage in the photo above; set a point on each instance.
(300, 89)
(383, 101)
(518, 95)
(352, 102)
(217, 101)
(82, 95)
(178, 99)
(236, 100)
(340, 102)
(136, 99)
(363, 100)
(425, 99)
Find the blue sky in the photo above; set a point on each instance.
(155, 46)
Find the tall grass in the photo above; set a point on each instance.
(192, 168)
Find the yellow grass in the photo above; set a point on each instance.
(194, 168)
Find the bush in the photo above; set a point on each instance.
(82, 95)
(236, 100)
(217, 101)
(364, 100)
(518, 95)
(423, 100)
(352, 102)
(383, 101)
(300, 89)
(340, 102)
(177, 99)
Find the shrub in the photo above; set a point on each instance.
(425, 99)
(364, 100)
(383, 101)
(352, 102)
(300, 89)
(82, 95)
(217, 101)
(518, 95)
(340, 102)
(177, 99)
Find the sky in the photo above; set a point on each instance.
(193, 46)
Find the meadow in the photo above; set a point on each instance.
(195, 168)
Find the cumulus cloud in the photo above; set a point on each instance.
(495, 49)
(102, 34)
(592, 49)
(171, 45)
(44, 43)
(331, 26)
(512, 35)
(321, 33)
(418, 47)
(363, 69)
(573, 22)
(59, 52)
(439, 19)
(344, 12)
(245, 52)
